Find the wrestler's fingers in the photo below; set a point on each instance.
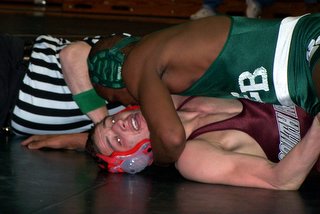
(33, 138)
(36, 145)
(37, 142)
(46, 143)
(28, 140)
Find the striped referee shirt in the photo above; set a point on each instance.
(45, 104)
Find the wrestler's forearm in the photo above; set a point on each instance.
(75, 141)
(164, 154)
(73, 60)
(75, 70)
(294, 168)
(167, 140)
(167, 132)
(142, 78)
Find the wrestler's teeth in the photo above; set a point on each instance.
(134, 123)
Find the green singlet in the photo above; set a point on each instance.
(269, 61)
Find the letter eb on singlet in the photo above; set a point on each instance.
(252, 83)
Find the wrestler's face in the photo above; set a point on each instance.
(120, 132)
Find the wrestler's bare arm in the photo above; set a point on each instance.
(73, 60)
(140, 73)
(63, 141)
(203, 162)
(166, 131)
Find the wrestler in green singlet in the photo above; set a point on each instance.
(268, 61)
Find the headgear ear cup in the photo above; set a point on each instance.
(139, 160)
(132, 161)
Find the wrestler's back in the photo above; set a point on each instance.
(185, 51)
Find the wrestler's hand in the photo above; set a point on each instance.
(62, 141)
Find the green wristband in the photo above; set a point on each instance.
(88, 101)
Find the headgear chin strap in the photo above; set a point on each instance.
(132, 161)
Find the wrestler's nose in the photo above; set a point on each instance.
(119, 124)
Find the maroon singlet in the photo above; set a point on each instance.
(277, 129)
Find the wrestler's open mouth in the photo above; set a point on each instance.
(134, 122)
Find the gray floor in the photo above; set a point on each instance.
(47, 181)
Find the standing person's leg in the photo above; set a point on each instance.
(208, 9)
(254, 7)
(11, 73)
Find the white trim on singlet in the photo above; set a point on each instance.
(280, 66)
